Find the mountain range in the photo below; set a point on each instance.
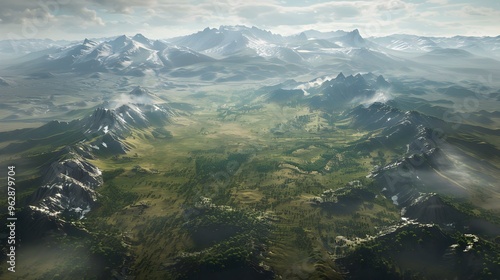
(212, 53)
(237, 153)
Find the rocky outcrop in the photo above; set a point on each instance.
(107, 128)
(329, 93)
(102, 121)
(430, 208)
(69, 187)
(74, 169)
(344, 200)
(109, 144)
(420, 251)
(119, 121)
(425, 164)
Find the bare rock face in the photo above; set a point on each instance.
(430, 208)
(104, 120)
(76, 169)
(132, 115)
(110, 144)
(69, 186)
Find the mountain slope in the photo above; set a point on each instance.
(122, 55)
(330, 93)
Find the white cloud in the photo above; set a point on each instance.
(438, 2)
(393, 5)
(480, 11)
(127, 6)
(90, 15)
(167, 18)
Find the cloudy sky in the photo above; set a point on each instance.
(74, 20)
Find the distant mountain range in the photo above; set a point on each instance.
(123, 55)
(484, 46)
(237, 53)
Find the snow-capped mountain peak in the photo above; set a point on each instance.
(229, 40)
(122, 54)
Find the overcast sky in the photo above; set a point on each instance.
(77, 19)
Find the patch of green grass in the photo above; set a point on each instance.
(113, 198)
